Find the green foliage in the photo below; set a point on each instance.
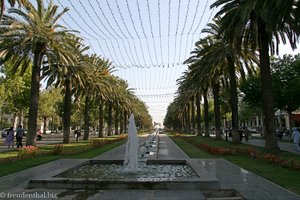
(286, 82)
(251, 91)
(48, 102)
(246, 112)
(286, 78)
(14, 90)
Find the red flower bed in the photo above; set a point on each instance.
(252, 152)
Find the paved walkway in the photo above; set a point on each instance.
(229, 175)
(284, 146)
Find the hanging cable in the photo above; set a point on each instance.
(190, 29)
(181, 35)
(93, 30)
(116, 22)
(134, 28)
(109, 32)
(159, 30)
(151, 30)
(124, 24)
(169, 19)
(197, 27)
(146, 38)
(176, 31)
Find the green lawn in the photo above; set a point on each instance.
(287, 178)
(73, 150)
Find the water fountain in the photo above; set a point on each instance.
(131, 154)
(136, 171)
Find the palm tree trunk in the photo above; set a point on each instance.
(67, 110)
(198, 106)
(188, 118)
(216, 89)
(116, 122)
(45, 125)
(109, 123)
(86, 117)
(233, 101)
(100, 135)
(121, 123)
(34, 96)
(267, 90)
(125, 120)
(206, 126)
(185, 119)
(193, 115)
(182, 122)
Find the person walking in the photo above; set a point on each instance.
(19, 136)
(77, 135)
(296, 138)
(9, 141)
(39, 136)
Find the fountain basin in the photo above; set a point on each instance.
(196, 177)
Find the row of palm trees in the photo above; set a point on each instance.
(32, 38)
(242, 36)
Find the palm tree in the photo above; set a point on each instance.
(12, 4)
(34, 33)
(223, 55)
(70, 76)
(255, 23)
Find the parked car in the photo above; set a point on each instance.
(4, 132)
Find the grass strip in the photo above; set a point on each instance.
(18, 165)
(284, 177)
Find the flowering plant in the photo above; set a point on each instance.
(27, 151)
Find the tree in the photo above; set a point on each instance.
(285, 73)
(47, 101)
(12, 4)
(15, 92)
(71, 75)
(255, 24)
(34, 33)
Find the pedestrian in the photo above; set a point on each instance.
(19, 136)
(77, 134)
(296, 137)
(39, 136)
(9, 141)
(241, 135)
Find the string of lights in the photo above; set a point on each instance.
(135, 30)
(181, 35)
(87, 24)
(151, 31)
(83, 31)
(109, 32)
(140, 36)
(176, 31)
(159, 30)
(169, 19)
(124, 24)
(197, 26)
(144, 33)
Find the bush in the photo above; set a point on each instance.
(57, 149)
(27, 151)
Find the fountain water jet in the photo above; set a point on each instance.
(131, 154)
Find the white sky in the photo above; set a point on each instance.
(147, 40)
